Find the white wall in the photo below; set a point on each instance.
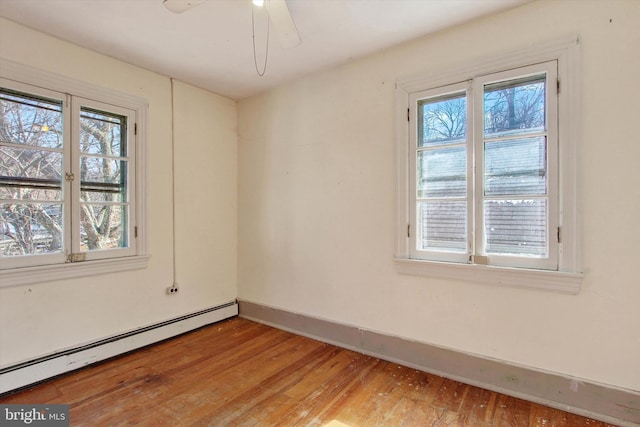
(317, 201)
(206, 195)
(42, 318)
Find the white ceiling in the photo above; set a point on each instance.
(210, 45)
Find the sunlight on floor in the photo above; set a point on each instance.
(335, 423)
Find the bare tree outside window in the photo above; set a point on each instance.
(33, 190)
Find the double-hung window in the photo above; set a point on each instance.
(67, 180)
(489, 173)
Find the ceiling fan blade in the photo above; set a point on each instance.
(179, 6)
(283, 23)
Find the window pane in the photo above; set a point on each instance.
(442, 120)
(30, 120)
(30, 228)
(514, 106)
(102, 133)
(102, 170)
(442, 172)
(40, 166)
(442, 226)
(16, 192)
(103, 227)
(516, 166)
(517, 227)
(95, 194)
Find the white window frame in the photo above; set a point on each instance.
(79, 94)
(567, 278)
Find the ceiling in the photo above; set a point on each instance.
(210, 45)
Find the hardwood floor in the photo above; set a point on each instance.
(241, 373)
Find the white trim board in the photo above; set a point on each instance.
(598, 401)
(37, 370)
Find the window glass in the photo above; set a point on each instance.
(442, 172)
(30, 228)
(103, 226)
(30, 120)
(516, 227)
(442, 226)
(443, 120)
(515, 166)
(514, 106)
(102, 133)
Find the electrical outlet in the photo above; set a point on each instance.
(173, 289)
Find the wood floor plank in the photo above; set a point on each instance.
(256, 401)
(451, 394)
(314, 389)
(241, 373)
(512, 411)
(475, 406)
(392, 404)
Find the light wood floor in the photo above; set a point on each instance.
(241, 373)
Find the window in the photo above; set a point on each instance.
(68, 182)
(488, 176)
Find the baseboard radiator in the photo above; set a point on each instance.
(599, 401)
(24, 374)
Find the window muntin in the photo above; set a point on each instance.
(66, 182)
(485, 181)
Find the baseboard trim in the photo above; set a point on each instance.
(598, 401)
(33, 371)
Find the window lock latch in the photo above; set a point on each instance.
(479, 259)
(77, 257)
(69, 177)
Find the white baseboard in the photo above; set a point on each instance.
(598, 401)
(27, 373)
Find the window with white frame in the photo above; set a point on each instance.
(68, 180)
(489, 174)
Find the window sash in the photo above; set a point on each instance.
(78, 105)
(37, 94)
(415, 128)
(551, 200)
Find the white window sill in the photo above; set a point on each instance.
(47, 273)
(555, 281)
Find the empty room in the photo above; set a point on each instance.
(331, 213)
